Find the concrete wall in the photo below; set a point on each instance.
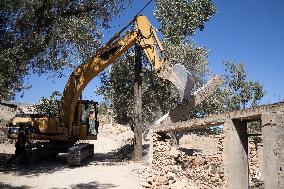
(236, 154)
(273, 150)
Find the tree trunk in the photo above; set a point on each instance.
(137, 155)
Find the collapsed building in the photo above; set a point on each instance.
(240, 162)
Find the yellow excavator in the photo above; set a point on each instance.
(62, 133)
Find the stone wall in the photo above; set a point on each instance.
(255, 161)
(173, 168)
(237, 152)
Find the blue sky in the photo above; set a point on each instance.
(244, 31)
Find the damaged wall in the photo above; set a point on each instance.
(173, 168)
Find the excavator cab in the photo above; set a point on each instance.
(85, 124)
(89, 116)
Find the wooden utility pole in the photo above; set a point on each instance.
(138, 125)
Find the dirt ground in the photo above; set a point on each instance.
(109, 168)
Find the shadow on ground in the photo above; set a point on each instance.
(47, 166)
(189, 152)
(8, 186)
(34, 169)
(120, 155)
(93, 185)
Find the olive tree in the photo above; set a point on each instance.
(46, 36)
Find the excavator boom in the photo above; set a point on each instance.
(142, 34)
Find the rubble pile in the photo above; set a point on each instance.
(3, 136)
(173, 168)
(104, 119)
(165, 169)
(207, 171)
(108, 126)
(6, 113)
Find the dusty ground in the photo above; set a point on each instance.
(108, 169)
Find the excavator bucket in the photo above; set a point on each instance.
(183, 80)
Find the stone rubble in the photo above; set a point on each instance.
(173, 168)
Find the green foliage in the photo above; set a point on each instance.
(45, 36)
(213, 104)
(186, 53)
(237, 93)
(116, 87)
(241, 92)
(49, 106)
(158, 96)
(180, 18)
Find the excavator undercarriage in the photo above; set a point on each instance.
(79, 152)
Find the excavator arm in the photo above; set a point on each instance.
(143, 34)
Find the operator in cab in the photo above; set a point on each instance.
(20, 145)
(92, 123)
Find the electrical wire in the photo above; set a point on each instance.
(132, 21)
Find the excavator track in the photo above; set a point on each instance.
(79, 152)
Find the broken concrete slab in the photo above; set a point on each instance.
(183, 109)
(218, 119)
